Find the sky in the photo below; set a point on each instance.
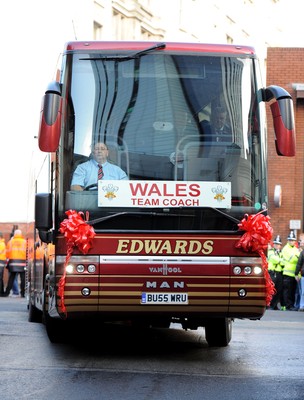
(33, 34)
(31, 44)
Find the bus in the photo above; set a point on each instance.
(162, 245)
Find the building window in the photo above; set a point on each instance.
(97, 31)
(229, 39)
(145, 35)
(118, 25)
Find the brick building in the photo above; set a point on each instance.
(285, 68)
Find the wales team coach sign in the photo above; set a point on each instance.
(163, 194)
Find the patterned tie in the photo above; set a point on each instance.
(100, 172)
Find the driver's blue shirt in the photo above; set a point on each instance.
(86, 174)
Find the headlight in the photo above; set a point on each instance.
(69, 268)
(91, 268)
(247, 270)
(80, 268)
(257, 270)
(237, 270)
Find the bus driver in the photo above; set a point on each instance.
(90, 172)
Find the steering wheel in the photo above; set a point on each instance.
(94, 186)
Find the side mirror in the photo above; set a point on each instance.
(282, 114)
(283, 120)
(50, 119)
(43, 216)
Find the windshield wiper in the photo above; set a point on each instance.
(140, 213)
(156, 214)
(158, 46)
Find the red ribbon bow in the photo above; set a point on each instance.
(77, 234)
(256, 238)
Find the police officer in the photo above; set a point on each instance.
(275, 268)
(290, 256)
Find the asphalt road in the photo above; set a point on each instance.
(264, 361)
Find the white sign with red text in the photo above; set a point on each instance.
(162, 194)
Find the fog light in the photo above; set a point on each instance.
(237, 270)
(242, 292)
(86, 291)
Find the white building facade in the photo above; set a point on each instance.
(252, 22)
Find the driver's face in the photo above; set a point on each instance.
(219, 120)
(100, 153)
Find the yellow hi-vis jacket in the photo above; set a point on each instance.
(290, 255)
(16, 253)
(275, 262)
(2, 253)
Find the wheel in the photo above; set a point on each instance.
(56, 329)
(34, 314)
(218, 332)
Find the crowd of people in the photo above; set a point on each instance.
(286, 269)
(13, 257)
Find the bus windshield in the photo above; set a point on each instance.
(167, 120)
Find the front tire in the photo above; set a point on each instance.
(218, 332)
(56, 329)
(34, 314)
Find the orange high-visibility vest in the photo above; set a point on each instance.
(2, 252)
(16, 252)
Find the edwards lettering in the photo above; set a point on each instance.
(161, 246)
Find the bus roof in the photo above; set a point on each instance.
(171, 46)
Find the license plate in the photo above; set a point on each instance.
(164, 298)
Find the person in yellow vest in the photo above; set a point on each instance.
(290, 256)
(16, 255)
(300, 276)
(2, 262)
(275, 269)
